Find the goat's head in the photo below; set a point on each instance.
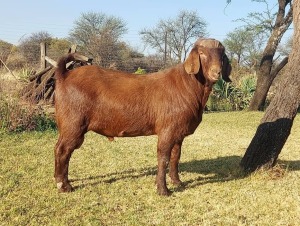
(209, 56)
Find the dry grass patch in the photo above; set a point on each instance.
(114, 181)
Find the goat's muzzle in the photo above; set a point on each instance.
(214, 74)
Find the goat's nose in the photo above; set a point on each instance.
(216, 72)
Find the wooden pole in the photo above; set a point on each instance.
(73, 48)
(8, 69)
(43, 55)
(33, 77)
(50, 61)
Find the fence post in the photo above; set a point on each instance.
(43, 55)
(73, 48)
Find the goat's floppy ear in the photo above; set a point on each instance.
(226, 69)
(192, 63)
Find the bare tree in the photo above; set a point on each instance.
(245, 46)
(174, 37)
(30, 46)
(99, 36)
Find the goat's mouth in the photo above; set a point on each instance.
(213, 78)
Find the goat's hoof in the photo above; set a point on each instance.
(164, 192)
(177, 183)
(63, 188)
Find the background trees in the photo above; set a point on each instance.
(29, 47)
(173, 38)
(5, 50)
(99, 36)
(27, 53)
(245, 46)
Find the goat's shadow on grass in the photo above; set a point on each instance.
(220, 169)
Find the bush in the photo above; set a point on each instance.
(232, 96)
(140, 71)
(15, 117)
(16, 61)
(216, 104)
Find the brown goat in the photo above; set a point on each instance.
(167, 103)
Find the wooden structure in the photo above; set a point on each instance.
(41, 85)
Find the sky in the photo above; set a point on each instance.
(19, 19)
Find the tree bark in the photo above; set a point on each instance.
(277, 122)
(265, 74)
(263, 85)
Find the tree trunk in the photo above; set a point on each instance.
(277, 122)
(264, 82)
(265, 74)
(263, 85)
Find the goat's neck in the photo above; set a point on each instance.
(207, 90)
(197, 86)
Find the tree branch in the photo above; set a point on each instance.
(278, 68)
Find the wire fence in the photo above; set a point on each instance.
(114, 57)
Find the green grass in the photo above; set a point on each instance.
(114, 181)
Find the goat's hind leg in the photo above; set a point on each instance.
(63, 151)
(174, 162)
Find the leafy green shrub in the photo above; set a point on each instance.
(43, 121)
(232, 96)
(140, 71)
(25, 73)
(244, 92)
(216, 104)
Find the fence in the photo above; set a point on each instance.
(41, 85)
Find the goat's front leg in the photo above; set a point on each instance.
(174, 162)
(163, 157)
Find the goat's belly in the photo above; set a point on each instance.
(119, 130)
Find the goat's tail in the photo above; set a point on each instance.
(61, 65)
